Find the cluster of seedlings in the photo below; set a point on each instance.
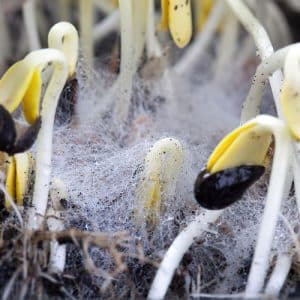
(100, 198)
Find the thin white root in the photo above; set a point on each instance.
(279, 275)
(197, 48)
(29, 8)
(176, 251)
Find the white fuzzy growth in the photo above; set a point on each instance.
(64, 37)
(44, 140)
(176, 251)
(276, 191)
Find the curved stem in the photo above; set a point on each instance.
(64, 37)
(176, 251)
(262, 42)
(276, 191)
(268, 66)
(44, 141)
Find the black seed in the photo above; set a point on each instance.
(223, 188)
(8, 132)
(25, 141)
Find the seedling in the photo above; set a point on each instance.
(245, 146)
(162, 166)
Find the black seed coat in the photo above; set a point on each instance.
(221, 189)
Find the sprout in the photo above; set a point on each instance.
(17, 178)
(58, 195)
(177, 16)
(246, 145)
(162, 165)
(38, 59)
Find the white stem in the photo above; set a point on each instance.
(29, 8)
(194, 52)
(153, 46)
(109, 24)
(262, 42)
(44, 141)
(277, 187)
(268, 66)
(279, 275)
(140, 20)
(127, 54)
(86, 28)
(133, 30)
(176, 251)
